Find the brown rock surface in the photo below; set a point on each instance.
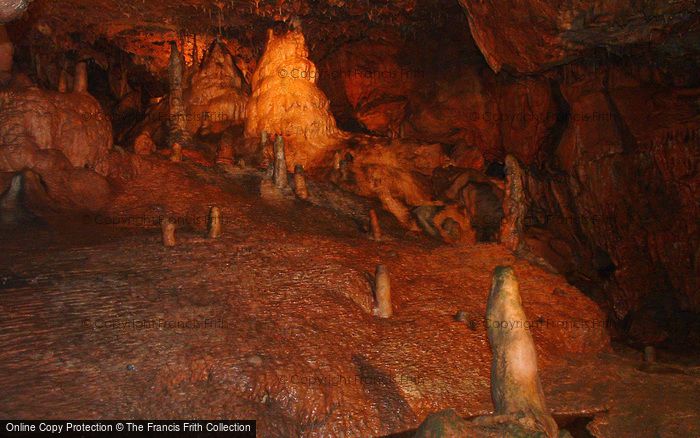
(72, 123)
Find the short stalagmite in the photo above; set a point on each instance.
(80, 83)
(176, 155)
(11, 210)
(515, 384)
(300, 187)
(168, 228)
(375, 229)
(382, 292)
(280, 169)
(214, 223)
(63, 81)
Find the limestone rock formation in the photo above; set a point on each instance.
(178, 133)
(216, 97)
(516, 390)
(285, 100)
(32, 119)
(398, 174)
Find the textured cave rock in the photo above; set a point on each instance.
(531, 36)
(628, 190)
(611, 202)
(12, 9)
(73, 123)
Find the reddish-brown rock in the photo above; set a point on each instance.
(72, 123)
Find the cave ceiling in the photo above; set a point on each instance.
(524, 37)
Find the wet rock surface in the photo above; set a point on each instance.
(257, 322)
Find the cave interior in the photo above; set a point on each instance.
(353, 218)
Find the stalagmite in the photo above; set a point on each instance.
(168, 228)
(280, 169)
(195, 53)
(225, 153)
(300, 188)
(293, 106)
(178, 128)
(649, 354)
(214, 228)
(63, 81)
(80, 82)
(11, 210)
(382, 292)
(176, 155)
(516, 390)
(514, 207)
(374, 227)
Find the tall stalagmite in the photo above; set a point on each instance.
(286, 101)
(178, 119)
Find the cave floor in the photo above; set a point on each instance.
(273, 321)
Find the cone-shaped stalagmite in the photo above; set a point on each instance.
(382, 291)
(515, 384)
(63, 81)
(176, 155)
(178, 131)
(280, 169)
